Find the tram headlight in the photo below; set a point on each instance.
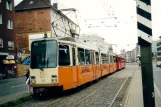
(33, 81)
(54, 80)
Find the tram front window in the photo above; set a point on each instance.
(44, 54)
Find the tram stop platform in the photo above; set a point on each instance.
(134, 93)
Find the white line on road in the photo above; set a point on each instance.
(157, 90)
(9, 83)
(18, 85)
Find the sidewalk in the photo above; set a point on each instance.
(12, 89)
(134, 94)
(13, 97)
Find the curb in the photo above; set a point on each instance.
(127, 90)
(16, 102)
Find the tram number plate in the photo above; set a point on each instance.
(41, 74)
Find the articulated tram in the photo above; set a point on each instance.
(66, 63)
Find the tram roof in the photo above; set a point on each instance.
(77, 42)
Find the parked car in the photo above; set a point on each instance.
(158, 64)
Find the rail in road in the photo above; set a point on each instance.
(101, 93)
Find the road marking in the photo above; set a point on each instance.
(6, 84)
(10, 83)
(157, 90)
(18, 85)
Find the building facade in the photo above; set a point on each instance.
(96, 40)
(128, 56)
(154, 49)
(133, 55)
(159, 50)
(34, 18)
(7, 37)
(123, 53)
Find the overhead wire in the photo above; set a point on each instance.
(103, 5)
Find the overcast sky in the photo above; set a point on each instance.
(125, 34)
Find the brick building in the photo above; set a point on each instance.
(7, 37)
(34, 18)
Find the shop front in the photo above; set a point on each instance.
(7, 67)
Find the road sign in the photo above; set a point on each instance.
(10, 57)
(144, 23)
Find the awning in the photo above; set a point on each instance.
(3, 53)
(12, 62)
(6, 62)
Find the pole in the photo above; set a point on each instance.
(144, 40)
(147, 75)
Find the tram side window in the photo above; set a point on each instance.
(111, 59)
(64, 57)
(107, 59)
(97, 57)
(73, 54)
(104, 59)
(92, 58)
(88, 56)
(114, 59)
(81, 57)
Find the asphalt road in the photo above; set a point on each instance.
(157, 76)
(12, 86)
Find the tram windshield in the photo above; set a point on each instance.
(44, 54)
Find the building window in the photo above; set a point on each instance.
(10, 45)
(0, 18)
(9, 5)
(10, 24)
(1, 42)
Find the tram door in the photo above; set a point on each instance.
(74, 66)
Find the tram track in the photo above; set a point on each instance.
(101, 88)
(71, 103)
(75, 105)
(78, 99)
(89, 95)
(113, 101)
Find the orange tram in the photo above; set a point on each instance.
(67, 63)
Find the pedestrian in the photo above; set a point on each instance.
(28, 80)
(139, 63)
(6, 72)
